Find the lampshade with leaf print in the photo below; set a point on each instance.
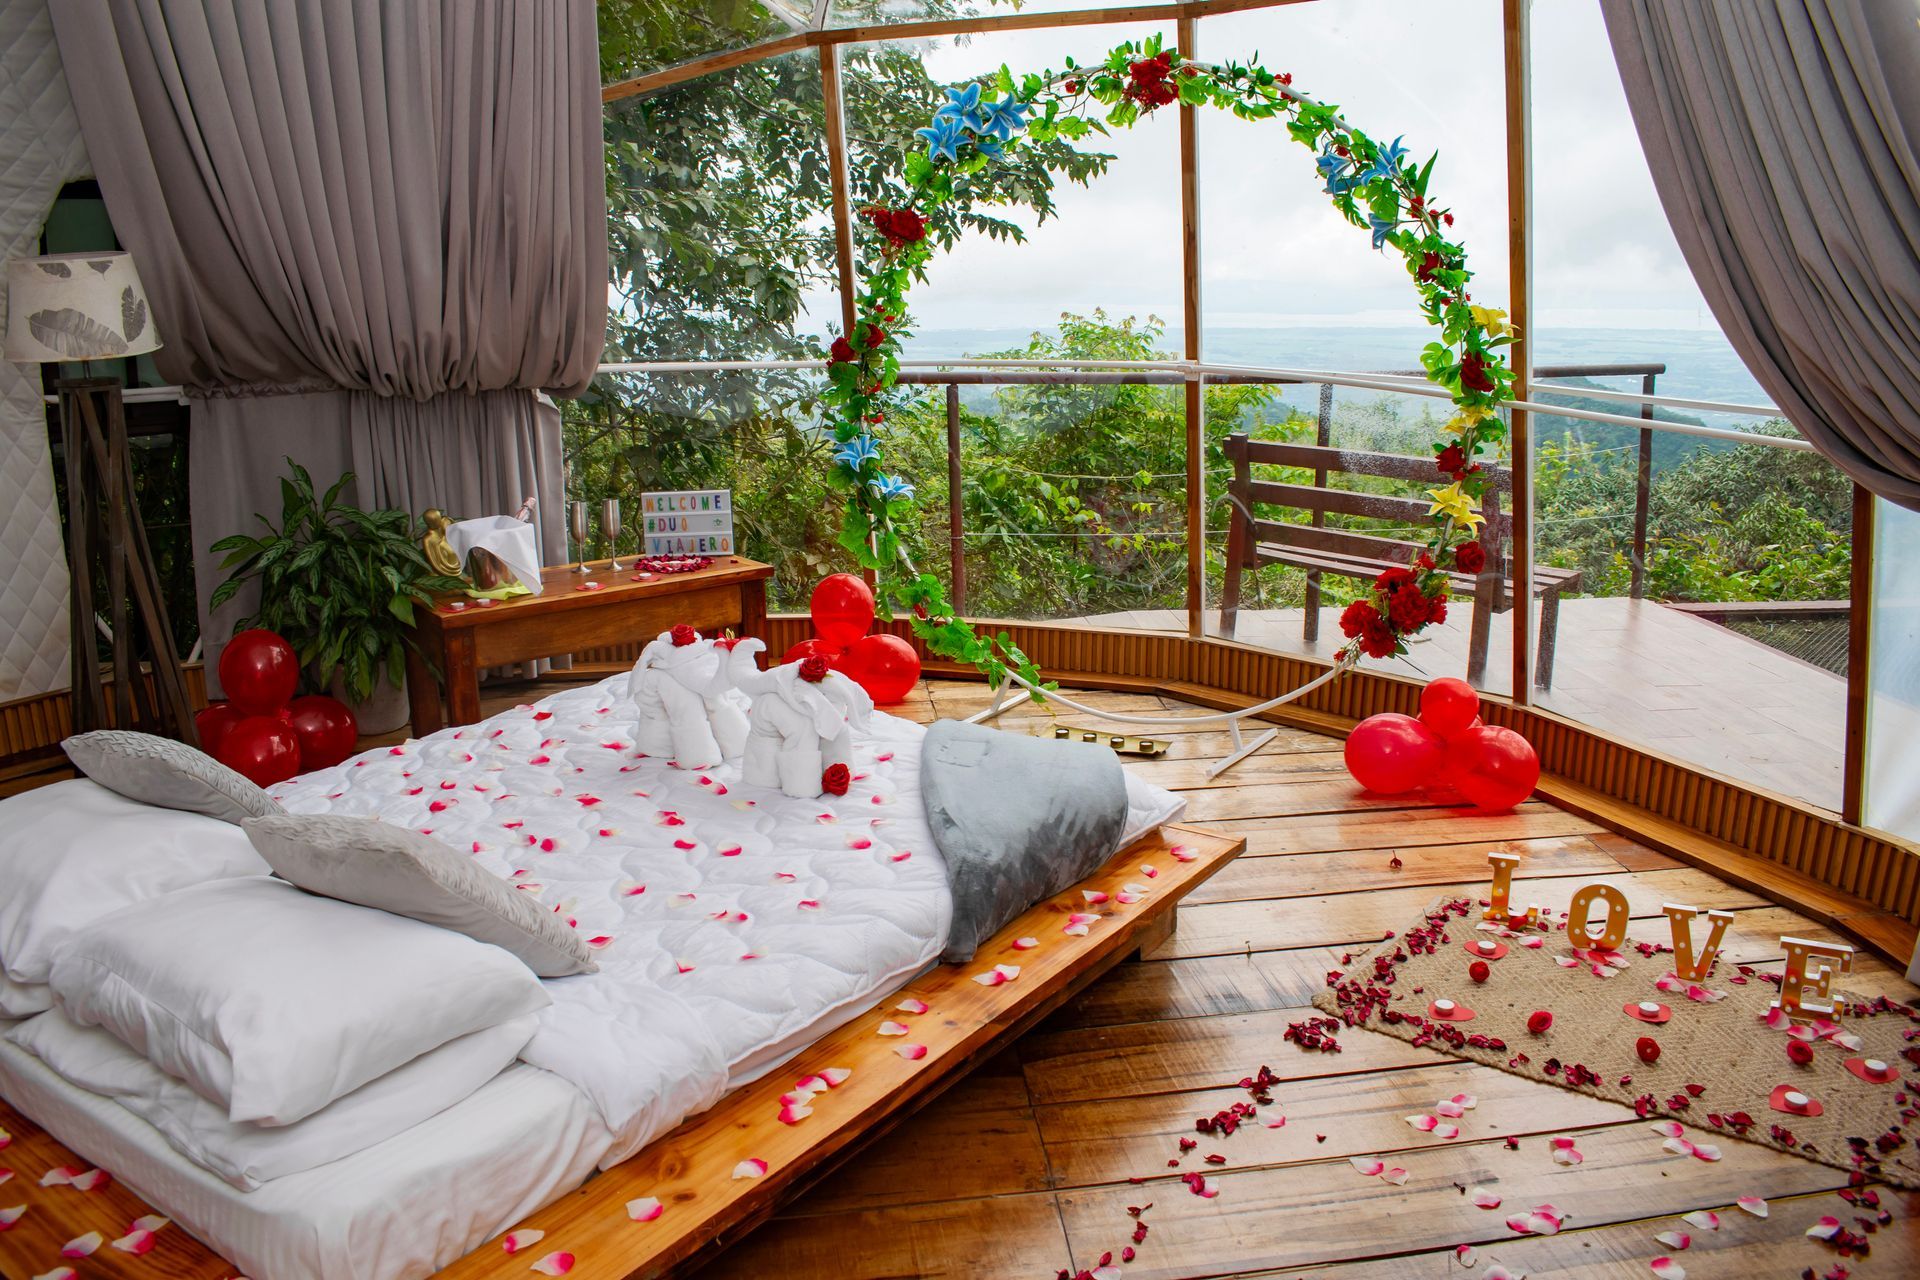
(77, 306)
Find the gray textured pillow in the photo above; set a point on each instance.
(169, 774)
(391, 868)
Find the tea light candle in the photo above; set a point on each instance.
(1649, 1007)
(1483, 946)
(1443, 1006)
(1794, 1098)
(1876, 1066)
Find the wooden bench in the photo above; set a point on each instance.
(1320, 548)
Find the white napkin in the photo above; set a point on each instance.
(510, 539)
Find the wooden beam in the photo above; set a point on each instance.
(1853, 784)
(666, 77)
(1520, 309)
(956, 508)
(830, 92)
(1195, 389)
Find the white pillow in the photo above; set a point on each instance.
(23, 999)
(247, 1155)
(1147, 807)
(273, 1002)
(75, 851)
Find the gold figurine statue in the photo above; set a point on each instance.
(439, 552)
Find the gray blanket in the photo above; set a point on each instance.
(1017, 819)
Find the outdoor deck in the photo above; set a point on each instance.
(1028, 1166)
(1635, 669)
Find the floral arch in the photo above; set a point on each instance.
(1374, 186)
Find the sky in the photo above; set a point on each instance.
(1274, 254)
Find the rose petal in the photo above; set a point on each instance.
(1483, 1198)
(891, 1028)
(11, 1215)
(1825, 1229)
(1498, 1272)
(525, 1238)
(645, 1209)
(1675, 1240)
(1368, 1165)
(1704, 1219)
(754, 1168)
(1667, 1128)
(1667, 1269)
(1397, 1176)
(557, 1263)
(1425, 1124)
(912, 1006)
(911, 1052)
(836, 1076)
(82, 1246)
(58, 1273)
(1754, 1205)
(1025, 944)
(138, 1243)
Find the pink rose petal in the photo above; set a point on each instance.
(1446, 1131)
(911, 1052)
(645, 1209)
(138, 1243)
(794, 1114)
(82, 1246)
(58, 1273)
(11, 1215)
(1667, 1269)
(911, 1005)
(1025, 944)
(1703, 1219)
(1675, 1240)
(1425, 1124)
(1667, 1128)
(1397, 1176)
(1753, 1205)
(1484, 1198)
(1498, 1272)
(752, 1168)
(1825, 1229)
(59, 1176)
(526, 1237)
(836, 1076)
(1368, 1165)
(1094, 897)
(1564, 1152)
(557, 1263)
(891, 1028)
(1184, 853)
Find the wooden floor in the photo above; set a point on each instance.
(1030, 1166)
(1643, 673)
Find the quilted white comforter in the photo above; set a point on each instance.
(732, 925)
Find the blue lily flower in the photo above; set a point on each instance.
(1387, 163)
(890, 488)
(1334, 169)
(943, 137)
(856, 453)
(1382, 228)
(963, 105)
(987, 145)
(1004, 118)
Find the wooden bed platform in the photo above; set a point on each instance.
(690, 1171)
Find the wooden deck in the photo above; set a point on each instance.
(1030, 1165)
(1641, 672)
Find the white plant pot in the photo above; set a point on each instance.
(384, 711)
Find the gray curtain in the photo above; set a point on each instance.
(371, 230)
(1782, 135)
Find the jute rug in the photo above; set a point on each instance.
(1719, 1062)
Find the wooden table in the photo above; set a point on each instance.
(463, 641)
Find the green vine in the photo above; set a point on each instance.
(1375, 187)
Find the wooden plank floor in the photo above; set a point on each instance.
(1030, 1166)
(1639, 672)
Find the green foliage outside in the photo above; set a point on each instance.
(719, 222)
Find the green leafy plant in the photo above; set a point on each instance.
(337, 583)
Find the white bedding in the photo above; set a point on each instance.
(728, 921)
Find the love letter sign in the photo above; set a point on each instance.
(1805, 987)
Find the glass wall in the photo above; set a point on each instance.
(1703, 582)
(1893, 714)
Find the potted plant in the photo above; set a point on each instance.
(340, 585)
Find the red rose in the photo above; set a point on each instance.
(836, 779)
(1478, 971)
(1429, 263)
(1151, 70)
(905, 226)
(1473, 373)
(1394, 578)
(1452, 461)
(1072, 86)
(1648, 1048)
(813, 670)
(1357, 617)
(876, 337)
(841, 352)
(1538, 1021)
(682, 636)
(1469, 557)
(1799, 1052)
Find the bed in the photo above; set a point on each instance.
(734, 929)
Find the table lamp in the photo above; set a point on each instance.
(77, 308)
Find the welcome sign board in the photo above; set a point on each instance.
(688, 522)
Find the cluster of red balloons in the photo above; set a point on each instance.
(262, 731)
(1492, 768)
(842, 608)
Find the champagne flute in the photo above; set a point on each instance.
(610, 525)
(578, 527)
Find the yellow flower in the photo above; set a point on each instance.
(1456, 505)
(1493, 320)
(1467, 417)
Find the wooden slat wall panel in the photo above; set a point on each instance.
(35, 726)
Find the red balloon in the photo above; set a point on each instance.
(1391, 753)
(325, 729)
(259, 671)
(213, 724)
(1493, 768)
(842, 609)
(1449, 706)
(261, 749)
(812, 649)
(884, 665)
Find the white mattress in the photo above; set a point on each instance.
(398, 1210)
(735, 925)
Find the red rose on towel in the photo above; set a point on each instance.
(1473, 373)
(1469, 557)
(813, 670)
(836, 779)
(682, 636)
